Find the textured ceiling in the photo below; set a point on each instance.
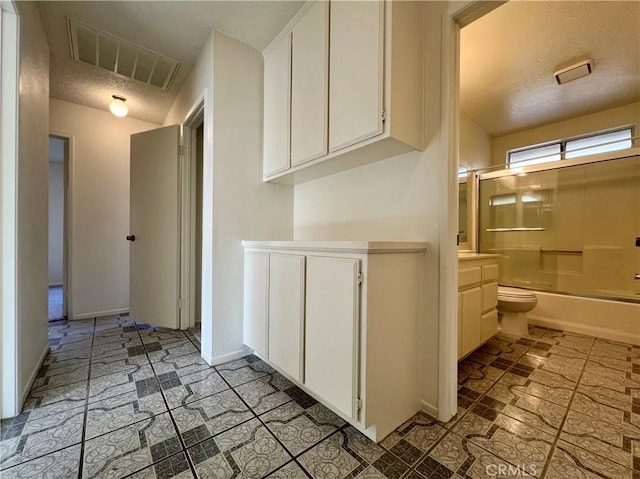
(177, 29)
(507, 60)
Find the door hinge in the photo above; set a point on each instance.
(360, 278)
(358, 404)
(384, 116)
(180, 303)
(181, 150)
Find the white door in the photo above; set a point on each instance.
(331, 322)
(154, 227)
(256, 301)
(286, 313)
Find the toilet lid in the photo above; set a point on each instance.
(505, 292)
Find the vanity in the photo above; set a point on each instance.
(340, 319)
(477, 300)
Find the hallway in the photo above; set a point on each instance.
(56, 305)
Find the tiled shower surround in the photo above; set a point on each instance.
(119, 399)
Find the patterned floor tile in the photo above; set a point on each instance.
(455, 457)
(505, 437)
(59, 398)
(617, 442)
(141, 380)
(182, 365)
(300, 428)
(131, 448)
(202, 419)
(529, 409)
(62, 356)
(120, 411)
(347, 453)
(66, 376)
(41, 436)
(158, 351)
(268, 392)
(60, 464)
(174, 467)
(421, 431)
(244, 370)
(469, 370)
(606, 411)
(180, 391)
(120, 364)
(558, 394)
(248, 449)
(83, 342)
(569, 461)
(290, 470)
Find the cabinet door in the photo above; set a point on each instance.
(309, 85)
(331, 323)
(355, 72)
(286, 312)
(471, 319)
(277, 89)
(256, 301)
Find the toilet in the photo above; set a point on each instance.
(513, 306)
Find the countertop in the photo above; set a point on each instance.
(470, 256)
(368, 247)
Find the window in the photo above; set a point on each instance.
(575, 148)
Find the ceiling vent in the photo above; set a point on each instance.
(125, 59)
(573, 72)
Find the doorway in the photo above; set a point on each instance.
(58, 174)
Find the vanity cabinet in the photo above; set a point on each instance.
(341, 321)
(477, 301)
(354, 93)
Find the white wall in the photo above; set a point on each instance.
(395, 200)
(99, 183)
(33, 185)
(474, 144)
(615, 117)
(236, 204)
(56, 221)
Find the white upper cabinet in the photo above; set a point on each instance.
(355, 89)
(309, 85)
(277, 88)
(356, 72)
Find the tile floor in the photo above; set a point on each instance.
(55, 303)
(119, 399)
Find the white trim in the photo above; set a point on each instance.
(32, 376)
(193, 119)
(429, 408)
(9, 101)
(98, 314)
(225, 358)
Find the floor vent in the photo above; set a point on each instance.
(125, 59)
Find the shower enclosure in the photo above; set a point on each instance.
(570, 229)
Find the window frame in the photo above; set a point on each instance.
(563, 147)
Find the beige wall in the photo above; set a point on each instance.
(99, 206)
(56, 222)
(33, 185)
(474, 146)
(237, 205)
(395, 199)
(615, 117)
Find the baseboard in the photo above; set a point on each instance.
(32, 377)
(98, 314)
(429, 408)
(572, 327)
(225, 358)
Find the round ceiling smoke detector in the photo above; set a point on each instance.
(118, 106)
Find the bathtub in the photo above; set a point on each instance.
(614, 320)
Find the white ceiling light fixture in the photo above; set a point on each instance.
(575, 71)
(118, 106)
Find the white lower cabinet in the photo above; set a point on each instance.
(477, 301)
(342, 321)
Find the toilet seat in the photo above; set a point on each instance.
(515, 294)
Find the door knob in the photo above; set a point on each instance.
(131, 237)
(637, 276)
